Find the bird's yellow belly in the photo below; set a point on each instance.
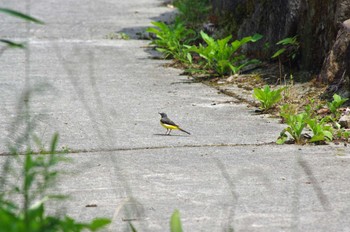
(167, 126)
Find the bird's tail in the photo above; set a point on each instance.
(184, 131)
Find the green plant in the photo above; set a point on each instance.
(337, 102)
(220, 55)
(192, 12)
(290, 48)
(267, 97)
(287, 109)
(172, 40)
(28, 174)
(124, 36)
(321, 131)
(19, 15)
(342, 134)
(37, 174)
(114, 35)
(296, 125)
(175, 222)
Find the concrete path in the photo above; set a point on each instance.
(103, 97)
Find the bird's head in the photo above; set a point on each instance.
(163, 114)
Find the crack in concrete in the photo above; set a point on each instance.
(232, 94)
(77, 151)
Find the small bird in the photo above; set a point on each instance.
(169, 125)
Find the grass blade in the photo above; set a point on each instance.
(175, 222)
(12, 44)
(20, 15)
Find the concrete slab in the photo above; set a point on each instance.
(248, 188)
(107, 94)
(103, 97)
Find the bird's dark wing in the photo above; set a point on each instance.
(166, 120)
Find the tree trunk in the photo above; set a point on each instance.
(336, 67)
(315, 23)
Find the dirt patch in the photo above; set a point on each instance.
(298, 92)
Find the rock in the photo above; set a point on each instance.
(231, 78)
(323, 111)
(346, 25)
(344, 120)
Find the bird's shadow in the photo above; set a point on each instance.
(170, 135)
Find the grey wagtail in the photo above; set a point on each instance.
(169, 125)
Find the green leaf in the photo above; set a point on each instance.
(279, 52)
(267, 89)
(189, 57)
(223, 45)
(258, 94)
(210, 41)
(133, 229)
(54, 142)
(267, 97)
(317, 138)
(160, 24)
(281, 140)
(289, 40)
(12, 44)
(244, 64)
(175, 222)
(336, 97)
(296, 124)
(328, 135)
(172, 40)
(256, 37)
(99, 223)
(39, 203)
(338, 100)
(153, 30)
(20, 15)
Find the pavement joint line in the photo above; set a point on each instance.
(78, 151)
(234, 95)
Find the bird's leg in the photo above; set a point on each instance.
(169, 131)
(166, 131)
